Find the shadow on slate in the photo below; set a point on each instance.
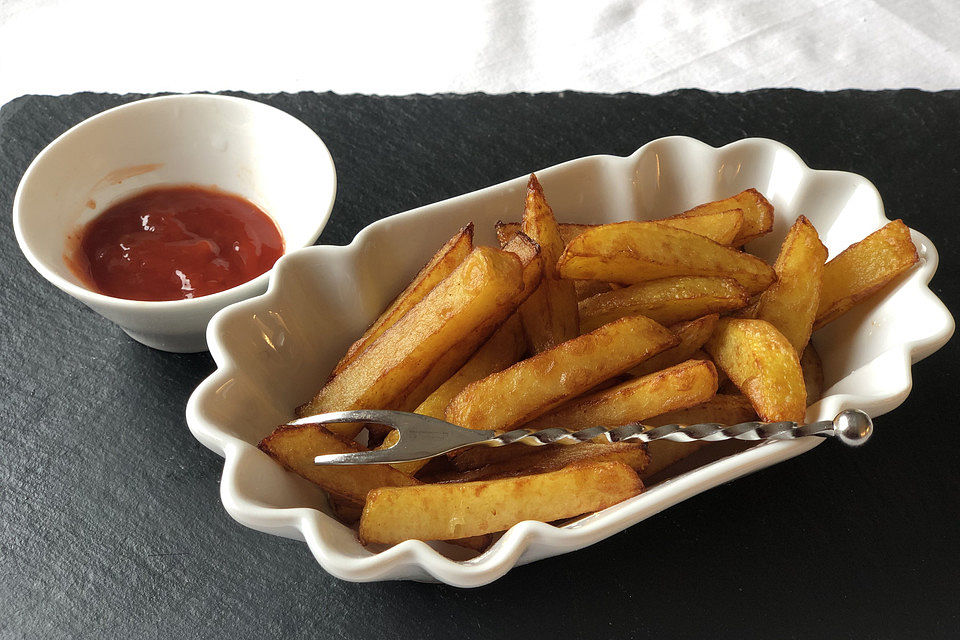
(110, 521)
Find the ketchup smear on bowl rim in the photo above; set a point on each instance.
(175, 243)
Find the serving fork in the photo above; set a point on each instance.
(422, 437)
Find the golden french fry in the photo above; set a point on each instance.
(476, 457)
(477, 543)
(722, 409)
(295, 447)
(446, 326)
(531, 261)
(755, 210)
(582, 288)
(505, 231)
(568, 230)
(587, 288)
(456, 510)
(551, 458)
(510, 398)
(531, 258)
(347, 487)
(439, 267)
(528, 252)
(550, 314)
(763, 365)
(681, 386)
(667, 301)
(346, 511)
(692, 335)
(634, 252)
(665, 453)
(750, 311)
(504, 348)
(757, 214)
(719, 226)
(444, 367)
(722, 227)
(790, 303)
(812, 369)
(863, 269)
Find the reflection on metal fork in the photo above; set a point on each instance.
(423, 437)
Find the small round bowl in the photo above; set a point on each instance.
(240, 146)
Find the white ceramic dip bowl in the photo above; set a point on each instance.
(235, 145)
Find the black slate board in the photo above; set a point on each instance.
(110, 521)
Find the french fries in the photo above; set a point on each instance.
(667, 301)
(812, 373)
(692, 335)
(452, 346)
(296, 447)
(722, 409)
(439, 267)
(634, 252)
(476, 457)
(507, 344)
(864, 268)
(757, 214)
(456, 316)
(790, 304)
(550, 314)
(459, 510)
(567, 370)
(531, 259)
(588, 288)
(763, 365)
(681, 386)
(346, 511)
(446, 363)
(568, 230)
(551, 458)
(503, 349)
(722, 226)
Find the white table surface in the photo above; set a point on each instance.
(63, 46)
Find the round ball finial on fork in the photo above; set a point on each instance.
(853, 427)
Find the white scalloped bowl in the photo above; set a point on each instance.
(275, 350)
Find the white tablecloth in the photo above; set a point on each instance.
(61, 46)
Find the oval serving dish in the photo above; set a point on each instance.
(274, 351)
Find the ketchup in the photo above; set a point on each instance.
(171, 243)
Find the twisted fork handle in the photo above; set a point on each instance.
(852, 427)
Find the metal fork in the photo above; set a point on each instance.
(422, 437)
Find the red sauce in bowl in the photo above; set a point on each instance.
(172, 243)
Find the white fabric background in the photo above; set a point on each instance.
(62, 46)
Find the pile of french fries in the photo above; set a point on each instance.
(573, 326)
